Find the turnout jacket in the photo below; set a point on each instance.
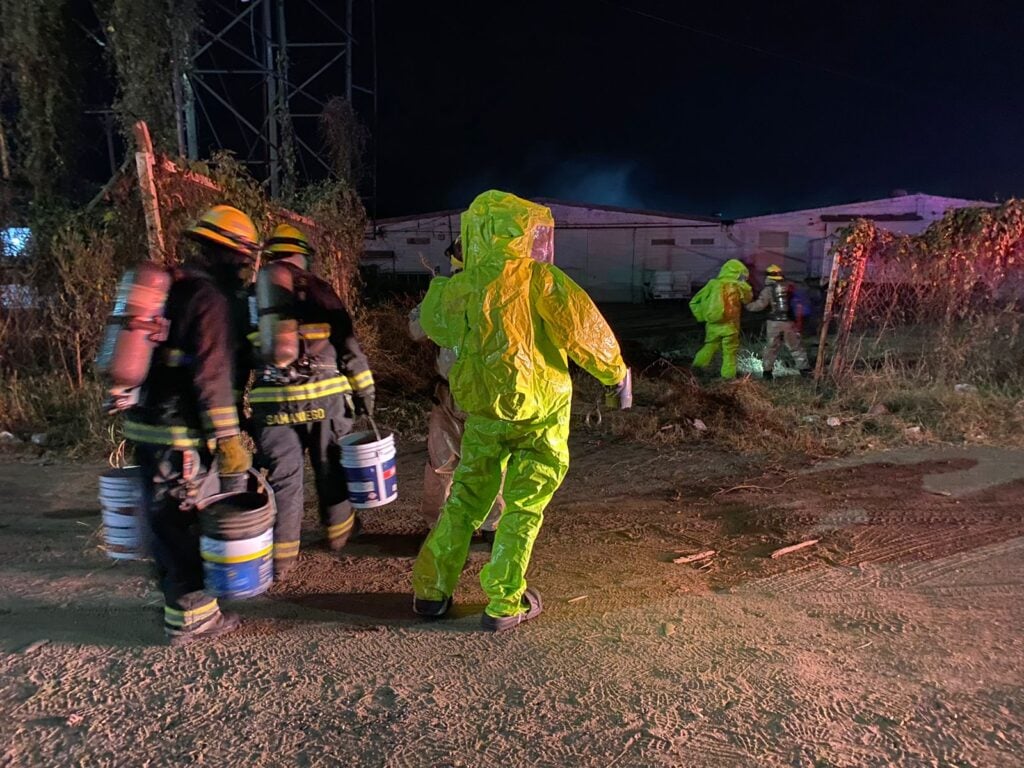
(331, 363)
(192, 393)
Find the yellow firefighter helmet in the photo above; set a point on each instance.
(227, 226)
(774, 272)
(286, 241)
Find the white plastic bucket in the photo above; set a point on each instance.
(238, 569)
(237, 540)
(370, 471)
(121, 498)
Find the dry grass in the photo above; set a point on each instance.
(401, 366)
(872, 411)
(70, 417)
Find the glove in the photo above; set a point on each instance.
(620, 395)
(232, 456)
(362, 403)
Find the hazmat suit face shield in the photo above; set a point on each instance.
(543, 249)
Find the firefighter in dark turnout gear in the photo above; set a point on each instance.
(186, 425)
(782, 326)
(314, 379)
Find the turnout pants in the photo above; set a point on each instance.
(535, 457)
(783, 332)
(445, 426)
(175, 481)
(729, 346)
(282, 450)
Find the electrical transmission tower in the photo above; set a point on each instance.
(259, 75)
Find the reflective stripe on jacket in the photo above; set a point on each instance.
(331, 362)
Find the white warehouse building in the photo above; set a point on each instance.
(801, 241)
(630, 255)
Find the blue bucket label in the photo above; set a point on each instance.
(250, 571)
(372, 486)
(239, 580)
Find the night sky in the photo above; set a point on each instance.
(729, 107)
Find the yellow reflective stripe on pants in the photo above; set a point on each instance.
(155, 434)
(285, 549)
(176, 618)
(315, 331)
(334, 531)
(362, 380)
(294, 393)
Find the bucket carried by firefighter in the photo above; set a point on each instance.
(369, 463)
(237, 540)
(121, 499)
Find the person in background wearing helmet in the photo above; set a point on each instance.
(783, 325)
(186, 425)
(445, 427)
(309, 404)
(719, 305)
(515, 323)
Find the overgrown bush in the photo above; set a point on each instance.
(948, 301)
(46, 352)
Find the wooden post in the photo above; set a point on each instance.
(852, 298)
(819, 364)
(144, 162)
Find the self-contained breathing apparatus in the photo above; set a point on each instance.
(781, 308)
(135, 328)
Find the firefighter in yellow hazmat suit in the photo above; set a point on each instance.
(719, 305)
(515, 322)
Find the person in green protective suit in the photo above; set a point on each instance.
(719, 305)
(514, 323)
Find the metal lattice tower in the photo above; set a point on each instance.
(253, 88)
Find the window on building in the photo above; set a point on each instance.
(663, 241)
(417, 240)
(766, 239)
(702, 241)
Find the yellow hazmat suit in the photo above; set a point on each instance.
(719, 305)
(513, 321)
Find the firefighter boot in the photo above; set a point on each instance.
(220, 624)
(339, 535)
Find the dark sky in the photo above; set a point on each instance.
(726, 107)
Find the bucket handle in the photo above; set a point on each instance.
(374, 425)
(262, 486)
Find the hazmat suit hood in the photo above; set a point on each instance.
(734, 269)
(499, 226)
(513, 319)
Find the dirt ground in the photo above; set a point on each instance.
(897, 639)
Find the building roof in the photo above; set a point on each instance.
(848, 209)
(564, 204)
